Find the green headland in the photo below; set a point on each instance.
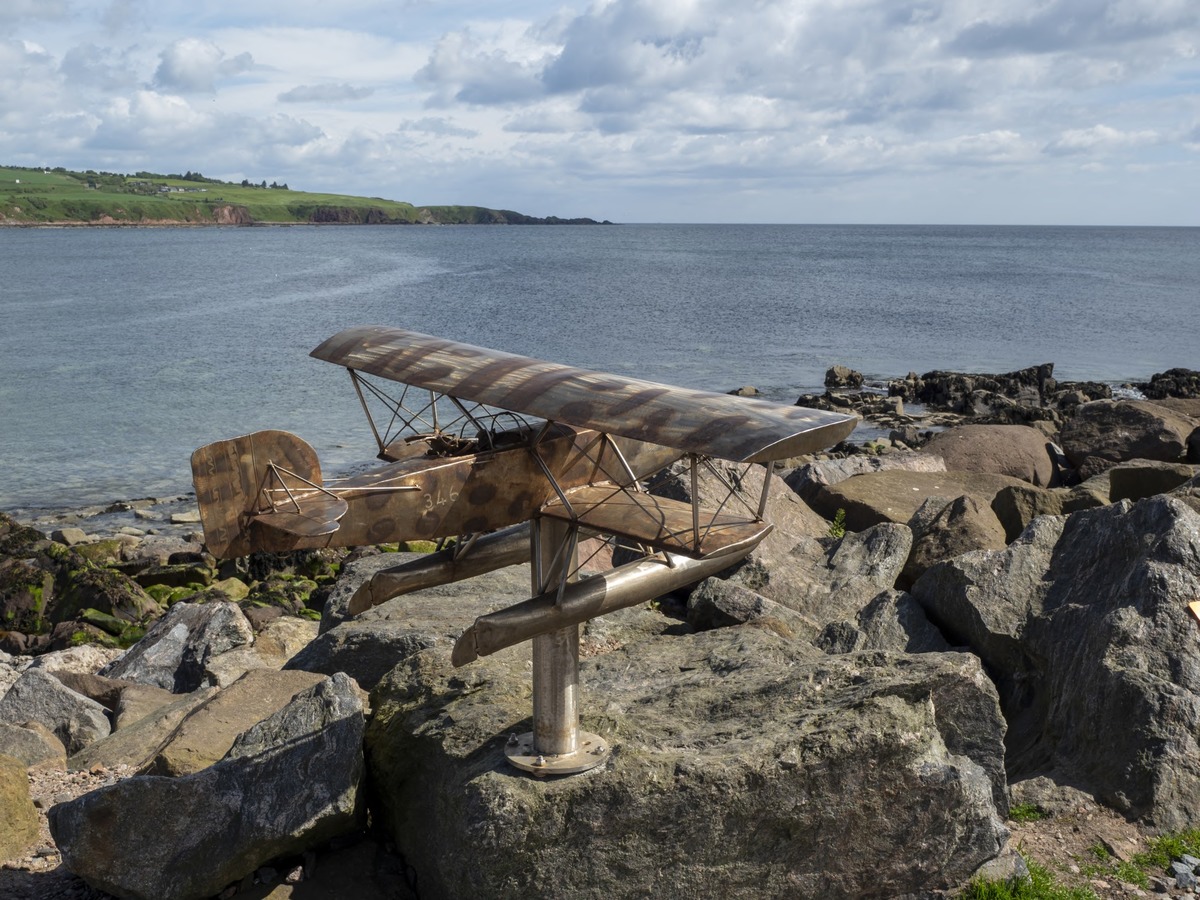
(57, 196)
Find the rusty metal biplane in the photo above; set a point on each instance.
(514, 459)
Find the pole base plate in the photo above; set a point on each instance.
(591, 751)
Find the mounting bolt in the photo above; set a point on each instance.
(540, 761)
(512, 739)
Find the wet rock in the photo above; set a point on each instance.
(843, 377)
(953, 390)
(1172, 383)
(43, 583)
(1083, 623)
(1113, 431)
(745, 764)
(38, 696)
(1014, 450)
(175, 652)
(289, 784)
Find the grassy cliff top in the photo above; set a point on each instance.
(62, 197)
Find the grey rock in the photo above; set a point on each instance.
(353, 576)
(744, 765)
(828, 580)
(370, 644)
(69, 536)
(892, 621)
(175, 651)
(717, 603)
(1084, 625)
(32, 745)
(188, 838)
(843, 377)
(37, 696)
(1015, 507)
(85, 659)
(963, 525)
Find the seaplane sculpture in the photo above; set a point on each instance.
(513, 459)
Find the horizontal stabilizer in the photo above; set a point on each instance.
(316, 515)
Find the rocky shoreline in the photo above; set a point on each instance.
(987, 607)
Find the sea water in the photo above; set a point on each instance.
(123, 349)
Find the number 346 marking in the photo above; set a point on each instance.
(439, 499)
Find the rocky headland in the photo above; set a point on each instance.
(985, 610)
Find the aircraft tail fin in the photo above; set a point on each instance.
(270, 478)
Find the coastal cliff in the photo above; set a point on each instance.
(58, 197)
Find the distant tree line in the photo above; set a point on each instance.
(273, 186)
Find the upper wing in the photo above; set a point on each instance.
(720, 425)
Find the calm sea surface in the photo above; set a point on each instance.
(122, 350)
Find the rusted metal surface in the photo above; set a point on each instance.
(418, 498)
(626, 585)
(712, 424)
(659, 522)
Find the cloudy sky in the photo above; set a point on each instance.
(973, 111)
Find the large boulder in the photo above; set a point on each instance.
(1105, 432)
(290, 782)
(892, 621)
(18, 818)
(1142, 478)
(33, 744)
(370, 644)
(38, 696)
(744, 764)
(1016, 506)
(807, 480)
(137, 743)
(894, 496)
(961, 526)
(175, 653)
(1018, 451)
(828, 579)
(1084, 625)
(1172, 383)
(209, 730)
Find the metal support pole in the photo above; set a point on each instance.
(556, 746)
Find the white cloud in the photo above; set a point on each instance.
(195, 64)
(1099, 138)
(325, 93)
